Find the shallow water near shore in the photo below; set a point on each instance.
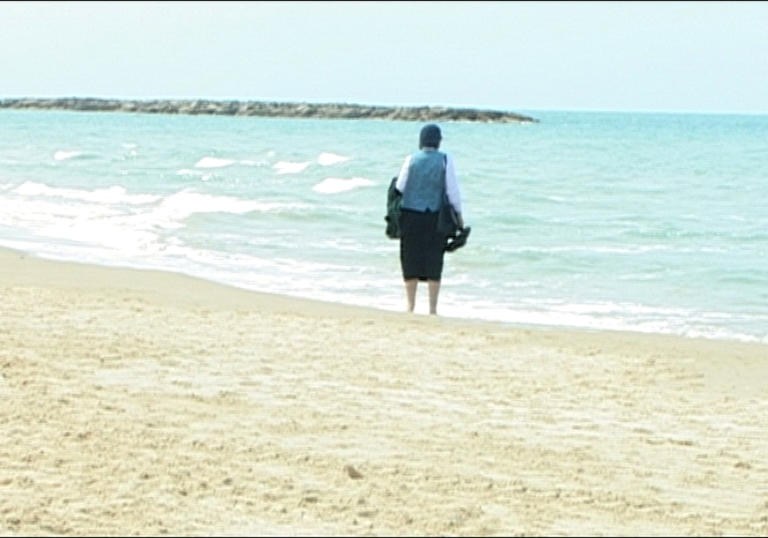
(628, 221)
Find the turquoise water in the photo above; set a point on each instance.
(641, 222)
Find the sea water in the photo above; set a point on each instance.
(644, 222)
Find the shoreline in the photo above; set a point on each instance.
(267, 109)
(149, 402)
(296, 302)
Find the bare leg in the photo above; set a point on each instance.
(434, 290)
(410, 290)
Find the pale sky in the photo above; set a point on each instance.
(518, 56)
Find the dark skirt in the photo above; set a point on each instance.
(421, 246)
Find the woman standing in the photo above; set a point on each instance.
(421, 183)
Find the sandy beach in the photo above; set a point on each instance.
(149, 403)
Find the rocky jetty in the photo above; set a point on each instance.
(268, 109)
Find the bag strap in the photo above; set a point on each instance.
(445, 173)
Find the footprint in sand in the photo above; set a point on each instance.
(352, 472)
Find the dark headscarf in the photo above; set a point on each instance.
(430, 136)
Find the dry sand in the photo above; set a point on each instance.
(145, 403)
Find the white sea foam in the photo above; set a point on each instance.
(37, 203)
(286, 167)
(327, 159)
(117, 233)
(65, 155)
(583, 316)
(66, 217)
(591, 249)
(204, 175)
(213, 162)
(333, 185)
(190, 172)
(173, 209)
(99, 220)
(33, 214)
(110, 195)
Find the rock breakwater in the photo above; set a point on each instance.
(268, 109)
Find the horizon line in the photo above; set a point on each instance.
(488, 108)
